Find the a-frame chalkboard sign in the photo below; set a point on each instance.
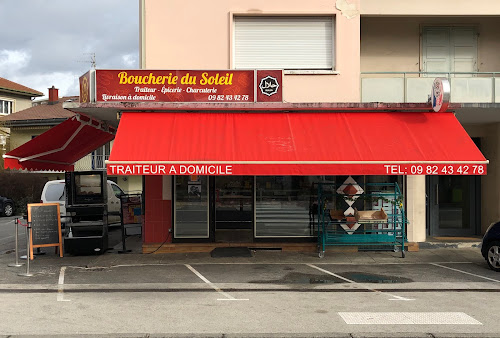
(45, 222)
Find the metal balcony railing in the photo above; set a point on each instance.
(92, 162)
(415, 87)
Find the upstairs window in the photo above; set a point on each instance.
(449, 49)
(284, 42)
(6, 107)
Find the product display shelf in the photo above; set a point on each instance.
(381, 225)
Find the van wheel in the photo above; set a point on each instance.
(8, 210)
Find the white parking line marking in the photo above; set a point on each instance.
(60, 285)
(467, 273)
(408, 318)
(212, 285)
(332, 274)
(394, 297)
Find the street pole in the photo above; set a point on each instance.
(27, 273)
(16, 264)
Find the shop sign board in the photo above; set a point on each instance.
(227, 86)
(44, 221)
(85, 84)
(269, 86)
(295, 168)
(440, 94)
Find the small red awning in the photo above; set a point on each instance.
(295, 143)
(61, 146)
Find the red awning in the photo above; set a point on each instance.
(352, 143)
(61, 146)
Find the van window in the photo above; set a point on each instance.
(55, 192)
(116, 189)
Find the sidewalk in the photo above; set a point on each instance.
(47, 268)
(451, 242)
(51, 263)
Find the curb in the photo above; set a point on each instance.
(449, 245)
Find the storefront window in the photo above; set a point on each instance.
(234, 202)
(384, 185)
(283, 206)
(191, 207)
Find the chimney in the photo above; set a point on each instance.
(53, 95)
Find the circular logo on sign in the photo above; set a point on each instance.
(269, 85)
(440, 94)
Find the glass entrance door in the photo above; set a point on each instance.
(191, 207)
(234, 210)
(452, 203)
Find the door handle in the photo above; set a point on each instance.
(437, 195)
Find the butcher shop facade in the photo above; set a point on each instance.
(225, 162)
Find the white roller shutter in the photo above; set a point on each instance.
(283, 43)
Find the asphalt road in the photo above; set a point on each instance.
(431, 293)
(246, 299)
(7, 235)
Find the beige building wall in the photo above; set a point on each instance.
(19, 102)
(490, 194)
(130, 184)
(393, 44)
(21, 135)
(430, 7)
(415, 208)
(200, 37)
(22, 103)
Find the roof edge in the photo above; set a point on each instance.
(33, 123)
(22, 92)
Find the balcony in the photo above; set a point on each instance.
(91, 162)
(415, 87)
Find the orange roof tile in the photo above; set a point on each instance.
(16, 87)
(42, 112)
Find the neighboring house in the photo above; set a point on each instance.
(13, 98)
(27, 124)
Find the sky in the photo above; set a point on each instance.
(47, 43)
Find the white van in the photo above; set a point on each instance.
(55, 192)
